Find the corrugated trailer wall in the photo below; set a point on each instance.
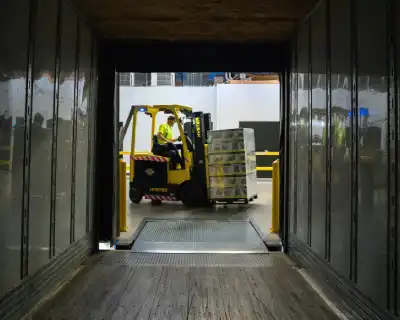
(344, 148)
(47, 112)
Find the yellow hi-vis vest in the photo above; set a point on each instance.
(166, 131)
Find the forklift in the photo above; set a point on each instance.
(151, 175)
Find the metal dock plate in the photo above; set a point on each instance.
(185, 236)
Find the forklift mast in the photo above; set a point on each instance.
(208, 125)
(201, 126)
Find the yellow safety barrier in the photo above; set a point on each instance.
(276, 181)
(122, 198)
(266, 153)
(125, 153)
(264, 168)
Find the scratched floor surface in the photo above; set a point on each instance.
(125, 285)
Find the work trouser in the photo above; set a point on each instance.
(174, 155)
(171, 151)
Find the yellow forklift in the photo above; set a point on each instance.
(151, 174)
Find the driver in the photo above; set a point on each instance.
(166, 142)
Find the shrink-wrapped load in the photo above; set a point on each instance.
(232, 165)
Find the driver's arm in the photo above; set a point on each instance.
(159, 135)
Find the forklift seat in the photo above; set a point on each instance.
(158, 149)
(155, 144)
(163, 151)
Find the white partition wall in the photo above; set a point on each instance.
(246, 102)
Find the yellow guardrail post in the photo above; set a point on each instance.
(275, 196)
(122, 197)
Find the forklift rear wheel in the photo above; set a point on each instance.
(135, 195)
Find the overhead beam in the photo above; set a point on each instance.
(178, 8)
(211, 20)
(164, 56)
(187, 30)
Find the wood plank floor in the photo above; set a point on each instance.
(118, 291)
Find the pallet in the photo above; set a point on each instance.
(234, 201)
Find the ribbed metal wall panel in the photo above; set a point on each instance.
(344, 121)
(45, 85)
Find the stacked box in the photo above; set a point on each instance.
(232, 164)
(230, 158)
(223, 170)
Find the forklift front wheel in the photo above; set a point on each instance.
(191, 195)
(135, 195)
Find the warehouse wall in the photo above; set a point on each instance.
(47, 96)
(344, 140)
(246, 102)
(228, 104)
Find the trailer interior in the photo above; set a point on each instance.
(335, 255)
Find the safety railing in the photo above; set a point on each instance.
(125, 153)
(268, 154)
(261, 168)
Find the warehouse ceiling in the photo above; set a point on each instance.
(199, 20)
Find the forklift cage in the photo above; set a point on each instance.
(152, 111)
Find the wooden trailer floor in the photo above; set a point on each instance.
(126, 285)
